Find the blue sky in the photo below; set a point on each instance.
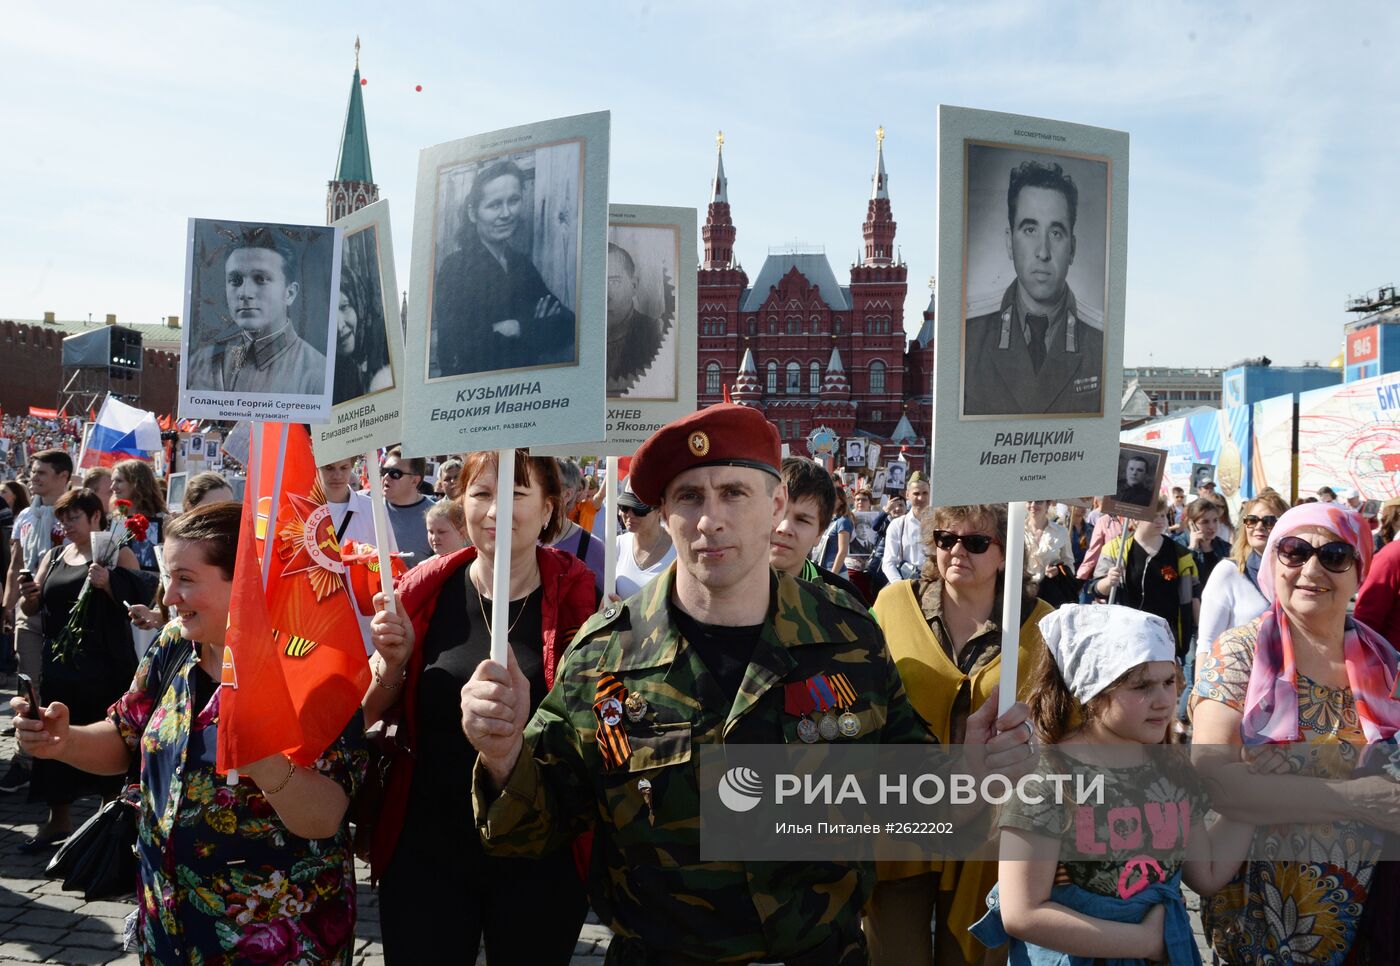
(1262, 164)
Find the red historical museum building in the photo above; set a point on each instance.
(807, 350)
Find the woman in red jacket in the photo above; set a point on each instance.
(438, 890)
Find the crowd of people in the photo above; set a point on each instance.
(512, 797)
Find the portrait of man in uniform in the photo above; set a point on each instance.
(642, 262)
(1201, 475)
(270, 341)
(1139, 481)
(1034, 346)
(1132, 481)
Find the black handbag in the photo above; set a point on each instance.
(99, 859)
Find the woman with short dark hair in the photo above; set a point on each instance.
(491, 307)
(426, 855)
(88, 658)
(256, 872)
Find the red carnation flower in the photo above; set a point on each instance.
(137, 524)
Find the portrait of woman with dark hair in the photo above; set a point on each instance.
(491, 307)
(361, 345)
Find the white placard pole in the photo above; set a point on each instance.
(381, 528)
(500, 578)
(1011, 604)
(610, 528)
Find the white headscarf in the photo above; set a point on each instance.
(1096, 644)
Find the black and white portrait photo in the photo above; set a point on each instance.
(1036, 282)
(1201, 474)
(1140, 471)
(642, 345)
(504, 291)
(855, 452)
(362, 361)
(260, 314)
(894, 476)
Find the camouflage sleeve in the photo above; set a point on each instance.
(548, 798)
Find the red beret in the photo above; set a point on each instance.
(726, 434)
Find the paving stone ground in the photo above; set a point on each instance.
(40, 923)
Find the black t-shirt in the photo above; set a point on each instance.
(725, 651)
(457, 640)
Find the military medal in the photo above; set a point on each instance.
(849, 724)
(636, 707)
(829, 729)
(807, 730)
(644, 787)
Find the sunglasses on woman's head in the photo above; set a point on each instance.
(1267, 521)
(1338, 557)
(394, 473)
(974, 542)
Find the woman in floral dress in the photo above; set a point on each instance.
(258, 872)
(1306, 679)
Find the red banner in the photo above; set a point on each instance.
(40, 413)
(1363, 345)
(295, 668)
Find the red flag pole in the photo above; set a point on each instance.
(381, 529)
(500, 583)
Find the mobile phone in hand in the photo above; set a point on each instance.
(28, 693)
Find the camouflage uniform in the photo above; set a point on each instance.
(647, 880)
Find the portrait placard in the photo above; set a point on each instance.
(175, 491)
(1201, 473)
(1140, 470)
(507, 309)
(367, 389)
(895, 475)
(260, 308)
(877, 483)
(652, 329)
(855, 452)
(1032, 244)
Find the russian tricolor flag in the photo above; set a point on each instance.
(121, 432)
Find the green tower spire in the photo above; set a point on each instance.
(353, 163)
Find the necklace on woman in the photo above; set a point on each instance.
(481, 601)
(652, 553)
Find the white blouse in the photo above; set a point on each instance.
(1053, 547)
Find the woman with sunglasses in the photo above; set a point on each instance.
(438, 889)
(644, 548)
(942, 629)
(1305, 679)
(1231, 596)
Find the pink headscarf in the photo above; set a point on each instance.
(1271, 701)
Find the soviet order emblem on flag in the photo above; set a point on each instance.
(294, 666)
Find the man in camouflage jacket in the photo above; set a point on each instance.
(714, 475)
